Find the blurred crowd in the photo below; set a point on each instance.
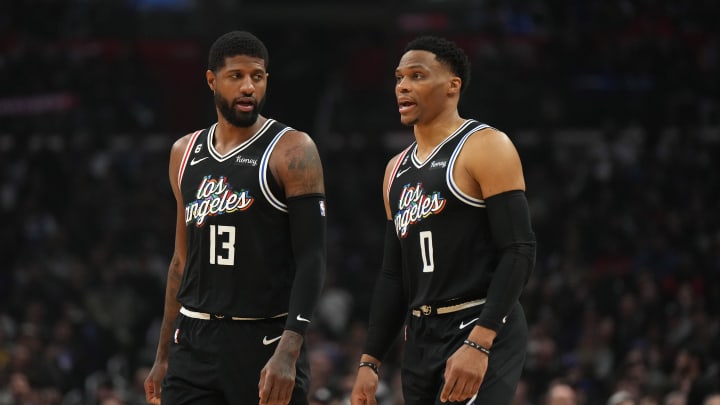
(614, 106)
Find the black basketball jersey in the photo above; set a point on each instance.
(239, 259)
(444, 233)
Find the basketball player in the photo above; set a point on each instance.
(459, 246)
(250, 247)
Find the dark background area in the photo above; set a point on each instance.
(614, 106)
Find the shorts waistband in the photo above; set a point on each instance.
(425, 310)
(218, 317)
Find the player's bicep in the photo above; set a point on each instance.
(297, 165)
(495, 165)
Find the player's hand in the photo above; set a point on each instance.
(365, 387)
(153, 382)
(277, 379)
(464, 372)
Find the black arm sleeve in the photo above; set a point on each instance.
(388, 307)
(308, 234)
(512, 235)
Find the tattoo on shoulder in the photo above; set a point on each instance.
(304, 165)
(302, 157)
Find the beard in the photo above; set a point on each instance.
(238, 118)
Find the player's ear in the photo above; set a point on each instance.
(210, 77)
(454, 85)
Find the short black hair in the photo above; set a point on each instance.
(446, 52)
(236, 43)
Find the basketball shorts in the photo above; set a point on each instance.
(218, 362)
(431, 340)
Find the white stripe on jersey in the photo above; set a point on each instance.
(394, 170)
(186, 155)
(272, 199)
(475, 202)
(221, 158)
(416, 161)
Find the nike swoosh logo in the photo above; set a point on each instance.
(504, 319)
(267, 341)
(301, 319)
(464, 325)
(400, 173)
(194, 162)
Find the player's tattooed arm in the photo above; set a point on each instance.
(296, 165)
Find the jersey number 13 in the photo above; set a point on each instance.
(222, 245)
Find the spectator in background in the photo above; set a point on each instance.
(621, 398)
(561, 393)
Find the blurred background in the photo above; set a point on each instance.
(614, 106)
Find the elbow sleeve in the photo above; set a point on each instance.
(513, 237)
(308, 234)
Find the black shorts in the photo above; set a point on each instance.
(431, 340)
(218, 362)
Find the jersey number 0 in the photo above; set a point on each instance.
(426, 251)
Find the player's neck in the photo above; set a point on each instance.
(228, 136)
(431, 133)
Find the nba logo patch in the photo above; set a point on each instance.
(322, 208)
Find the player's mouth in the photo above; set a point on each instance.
(405, 106)
(245, 104)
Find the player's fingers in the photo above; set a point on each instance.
(474, 388)
(264, 387)
(271, 398)
(363, 397)
(286, 395)
(152, 391)
(447, 388)
(370, 398)
(476, 384)
(276, 394)
(357, 399)
(288, 392)
(459, 392)
(148, 391)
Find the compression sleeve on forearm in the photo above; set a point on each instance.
(388, 307)
(512, 234)
(308, 235)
